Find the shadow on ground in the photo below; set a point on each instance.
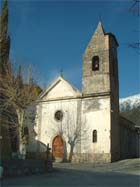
(75, 177)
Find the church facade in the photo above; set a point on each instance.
(83, 127)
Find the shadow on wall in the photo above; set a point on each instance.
(34, 149)
(130, 139)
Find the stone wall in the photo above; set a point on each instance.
(96, 81)
(91, 158)
(114, 86)
(104, 82)
(17, 167)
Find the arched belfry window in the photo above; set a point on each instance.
(95, 63)
(94, 136)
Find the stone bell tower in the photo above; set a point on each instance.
(100, 71)
(100, 78)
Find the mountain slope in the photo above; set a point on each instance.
(130, 108)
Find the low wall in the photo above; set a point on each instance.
(91, 158)
(18, 167)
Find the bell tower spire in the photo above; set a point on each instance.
(100, 63)
(99, 28)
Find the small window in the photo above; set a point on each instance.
(94, 136)
(95, 63)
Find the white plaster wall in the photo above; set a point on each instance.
(61, 90)
(30, 123)
(50, 127)
(89, 119)
(33, 119)
(97, 119)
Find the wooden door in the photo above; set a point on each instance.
(58, 148)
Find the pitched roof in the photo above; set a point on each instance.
(59, 89)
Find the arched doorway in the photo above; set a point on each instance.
(58, 148)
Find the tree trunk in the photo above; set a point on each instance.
(71, 152)
(22, 146)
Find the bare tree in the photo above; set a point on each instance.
(75, 133)
(18, 95)
(135, 9)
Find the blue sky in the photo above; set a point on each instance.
(52, 35)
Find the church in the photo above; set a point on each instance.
(85, 126)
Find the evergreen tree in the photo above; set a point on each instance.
(4, 39)
(4, 68)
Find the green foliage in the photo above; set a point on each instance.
(4, 39)
(4, 19)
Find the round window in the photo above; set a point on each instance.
(58, 115)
